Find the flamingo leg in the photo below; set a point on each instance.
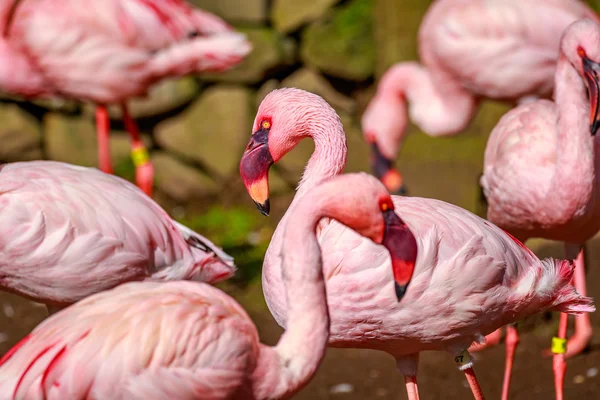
(558, 362)
(411, 387)
(465, 364)
(144, 170)
(512, 340)
(583, 327)
(102, 132)
(490, 340)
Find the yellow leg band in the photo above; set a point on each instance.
(140, 156)
(463, 360)
(559, 345)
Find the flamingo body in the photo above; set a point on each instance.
(69, 232)
(469, 50)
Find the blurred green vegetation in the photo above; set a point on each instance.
(240, 232)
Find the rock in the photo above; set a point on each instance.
(342, 46)
(253, 11)
(312, 81)
(271, 51)
(53, 104)
(73, 140)
(20, 135)
(288, 15)
(396, 26)
(213, 131)
(179, 181)
(165, 96)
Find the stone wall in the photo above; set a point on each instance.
(197, 127)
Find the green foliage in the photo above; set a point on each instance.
(343, 46)
(240, 233)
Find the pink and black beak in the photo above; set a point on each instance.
(402, 245)
(591, 71)
(254, 169)
(383, 169)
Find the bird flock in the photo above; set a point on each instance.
(354, 262)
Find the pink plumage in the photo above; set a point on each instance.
(469, 50)
(541, 170)
(184, 340)
(109, 51)
(67, 232)
(469, 278)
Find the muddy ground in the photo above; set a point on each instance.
(358, 374)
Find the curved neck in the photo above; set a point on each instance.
(438, 105)
(329, 157)
(286, 368)
(575, 145)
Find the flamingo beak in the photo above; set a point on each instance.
(254, 169)
(402, 246)
(591, 71)
(383, 168)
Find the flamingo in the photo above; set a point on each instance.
(108, 51)
(467, 277)
(469, 50)
(67, 232)
(541, 169)
(186, 340)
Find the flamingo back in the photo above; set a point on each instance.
(140, 340)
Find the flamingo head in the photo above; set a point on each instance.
(284, 117)
(581, 45)
(363, 204)
(383, 124)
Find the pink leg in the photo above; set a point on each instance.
(490, 340)
(475, 388)
(583, 327)
(411, 387)
(102, 132)
(512, 340)
(144, 170)
(558, 362)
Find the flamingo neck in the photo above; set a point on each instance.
(438, 104)
(329, 157)
(576, 147)
(285, 369)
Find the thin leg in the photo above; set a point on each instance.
(558, 362)
(490, 340)
(465, 364)
(475, 388)
(411, 387)
(512, 340)
(583, 327)
(144, 170)
(102, 132)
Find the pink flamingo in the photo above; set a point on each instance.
(107, 52)
(470, 50)
(541, 169)
(184, 340)
(67, 232)
(468, 277)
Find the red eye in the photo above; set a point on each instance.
(386, 204)
(581, 51)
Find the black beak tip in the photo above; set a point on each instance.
(400, 290)
(264, 208)
(594, 128)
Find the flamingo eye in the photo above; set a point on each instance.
(265, 125)
(581, 51)
(386, 204)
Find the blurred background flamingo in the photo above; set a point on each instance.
(107, 52)
(466, 269)
(117, 332)
(68, 232)
(469, 50)
(541, 169)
